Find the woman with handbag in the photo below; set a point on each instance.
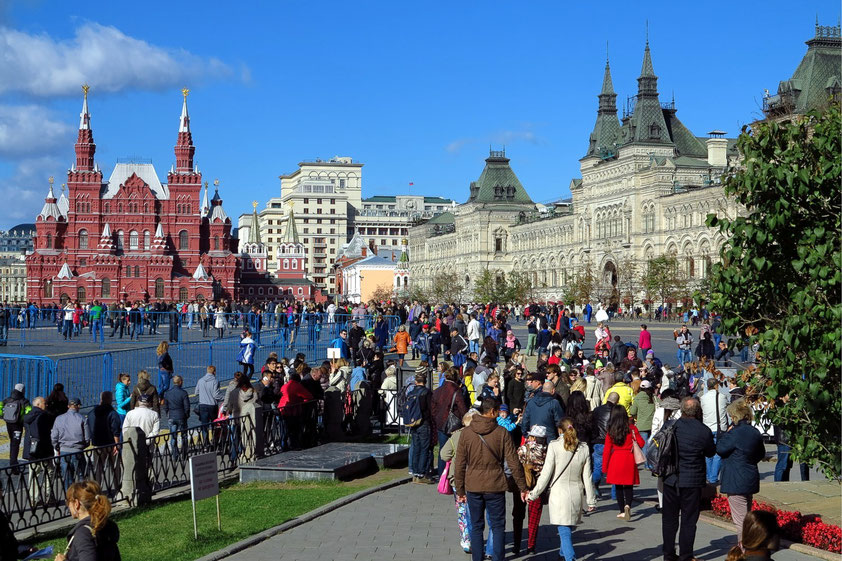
(620, 460)
(567, 474)
(532, 454)
(448, 407)
(448, 454)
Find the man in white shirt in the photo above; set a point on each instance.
(714, 417)
(143, 417)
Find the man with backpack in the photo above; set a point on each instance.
(683, 487)
(417, 415)
(12, 410)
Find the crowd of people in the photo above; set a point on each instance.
(547, 435)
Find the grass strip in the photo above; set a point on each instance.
(164, 531)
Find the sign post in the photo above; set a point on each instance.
(204, 483)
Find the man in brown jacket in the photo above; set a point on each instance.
(485, 459)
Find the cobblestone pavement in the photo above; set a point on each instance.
(413, 523)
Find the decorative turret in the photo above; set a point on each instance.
(205, 204)
(85, 147)
(254, 231)
(50, 208)
(401, 276)
(290, 232)
(63, 203)
(200, 273)
(106, 239)
(606, 131)
(159, 243)
(291, 256)
(255, 251)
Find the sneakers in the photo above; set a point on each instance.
(422, 480)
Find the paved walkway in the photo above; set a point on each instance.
(413, 523)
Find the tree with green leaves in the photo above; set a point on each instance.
(664, 279)
(491, 286)
(628, 281)
(518, 288)
(781, 273)
(581, 287)
(446, 288)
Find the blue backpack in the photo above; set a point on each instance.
(412, 416)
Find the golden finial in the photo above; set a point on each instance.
(63, 185)
(85, 88)
(254, 204)
(184, 92)
(206, 184)
(291, 203)
(216, 182)
(51, 180)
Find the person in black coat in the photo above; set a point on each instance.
(104, 422)
(741, 449)
(705, 348)
(683, 490)
(37, 445)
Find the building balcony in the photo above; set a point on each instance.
(318, 245)
(319, 254)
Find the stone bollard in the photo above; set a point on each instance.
(136, 487)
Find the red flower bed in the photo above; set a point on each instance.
(809, 530)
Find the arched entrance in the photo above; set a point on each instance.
(609, 282)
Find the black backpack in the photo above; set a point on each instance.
(662, 452)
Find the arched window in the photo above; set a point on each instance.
(137, 271)
(48, 289)
(128, 271)
(133, 239)
(49, 241)
(80, 294)
(120, 240)
(182, 294)
(300, 291)
(182, 239)
(120, 208)
(83, 239)
(145, 208)
(293, 264)
(106, 287)
(216, 242)
(286, 263)
(147, 240)
(159, 287)
(260, 291)
(107, 208)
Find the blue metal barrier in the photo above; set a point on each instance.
(37, 373)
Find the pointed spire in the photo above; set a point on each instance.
(85, 115)
(184, 123)
(106, 242)
(50, 208)
(200, 273)
(65, 272)
(63, 203)
(254, 231)
(205, 203)
(647, 71)
(159, 231)
(290, 232)
(217, 212)
(85, 147)
(106, 231)
(607, 83)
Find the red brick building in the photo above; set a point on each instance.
(133, 237)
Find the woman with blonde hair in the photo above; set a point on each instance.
(95, 535)
(165, 367)
(567, 474)
(741, 449)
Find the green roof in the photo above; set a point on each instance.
(290, 232)
(443, 218)
(686, 143)
(437, 200)
(817, 76)
(498, 183)
(380, 199)
(606, 131)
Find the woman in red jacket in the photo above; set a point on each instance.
(618, 458)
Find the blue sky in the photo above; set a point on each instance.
(416, 91)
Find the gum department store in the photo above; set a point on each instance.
(647, 185)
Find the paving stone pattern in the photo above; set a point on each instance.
(413, 523)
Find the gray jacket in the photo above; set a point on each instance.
(208, 389)
(70, 433)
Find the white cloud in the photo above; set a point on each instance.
(23, 193)
(102, 56)
(30, 129)
(524, 135)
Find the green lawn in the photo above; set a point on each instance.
(165, 531)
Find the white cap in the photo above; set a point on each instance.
(538, 431)
(20, 387)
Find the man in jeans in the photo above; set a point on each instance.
(177, 406)
(210, 396)
(480, 477)
(714, 404)
(684, 340)
(420, 444)
(70, 435)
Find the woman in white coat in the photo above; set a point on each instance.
(567, 473)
